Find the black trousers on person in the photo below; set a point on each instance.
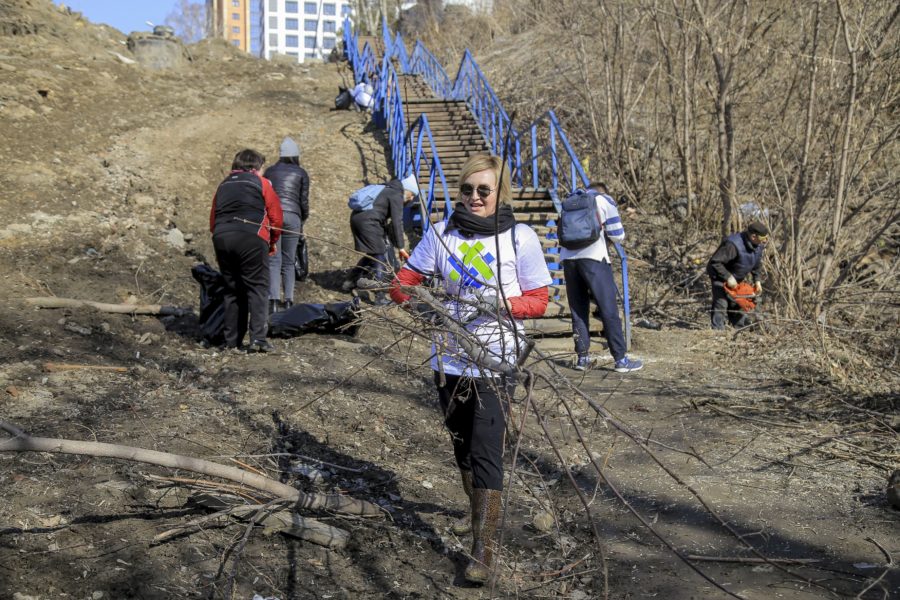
(244, 262)
(475, 416)
(724, 307)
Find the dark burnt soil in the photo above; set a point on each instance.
(107, 182)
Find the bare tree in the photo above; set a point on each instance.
(188, 19)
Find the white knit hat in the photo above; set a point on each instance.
(410, 184)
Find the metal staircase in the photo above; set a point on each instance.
(434, 124)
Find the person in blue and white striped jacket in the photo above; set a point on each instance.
(587, 273)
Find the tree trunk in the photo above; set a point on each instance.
(837, 212)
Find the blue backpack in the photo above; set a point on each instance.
(363, 198)
(579, 223)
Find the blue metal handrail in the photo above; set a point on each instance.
(472, 86)
(422, 62)
(542, 137)
(398, 50)
(408, 148)
(418, 133)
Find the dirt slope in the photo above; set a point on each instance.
(109, 171)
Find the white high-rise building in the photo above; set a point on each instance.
(301, 28)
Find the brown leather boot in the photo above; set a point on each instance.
(485, 518)
(463, 525)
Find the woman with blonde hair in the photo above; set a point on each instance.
(481, 256)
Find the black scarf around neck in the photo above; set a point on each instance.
(470, 224)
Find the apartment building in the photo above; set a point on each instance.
(301, 28)
(230, 19)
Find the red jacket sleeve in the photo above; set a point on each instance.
(273, 210)
(531, 304)
(406, 276)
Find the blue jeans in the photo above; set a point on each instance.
(584, 277)
(281, 264)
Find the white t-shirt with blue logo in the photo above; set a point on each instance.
(466, 264)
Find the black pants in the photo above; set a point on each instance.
(584, 277)
(724, 307)
(243, 261)
(474, 415)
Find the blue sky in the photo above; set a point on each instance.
(124, 15)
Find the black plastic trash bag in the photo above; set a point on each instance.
(301, 261)
(343, 100)
(212, 304)
(337, 317)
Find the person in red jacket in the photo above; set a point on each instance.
(479, 251)
(246, 221)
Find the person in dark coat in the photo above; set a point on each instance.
(291, 183)
(369, 227)
(245, 221)
(738, 258)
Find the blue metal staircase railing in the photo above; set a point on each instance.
(551, 161)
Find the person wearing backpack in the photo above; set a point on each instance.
(374, 207)
(587, 219)
(291, 183)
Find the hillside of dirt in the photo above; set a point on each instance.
(109, 170)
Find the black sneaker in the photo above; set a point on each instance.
(260, 346)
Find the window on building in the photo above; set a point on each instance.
(346, 10)
(310, 8)
(311, 54)
(235, 29)
(273, 22)
(273, 5)
(328, 9)
(236, 42)
(293, 53)
(236, 3)
(310, 25)
(328, 43)
(236, 16)
(292, 41)
(291, 7)
(292, 24)
(309, 41)
(273, 39)
(328, 26)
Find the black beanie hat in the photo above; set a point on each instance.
(757, 228)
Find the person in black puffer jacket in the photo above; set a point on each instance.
(291, 182)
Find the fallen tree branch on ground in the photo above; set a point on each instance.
(283, 521)
(21, 442)
(125, 309)
(52, 367)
